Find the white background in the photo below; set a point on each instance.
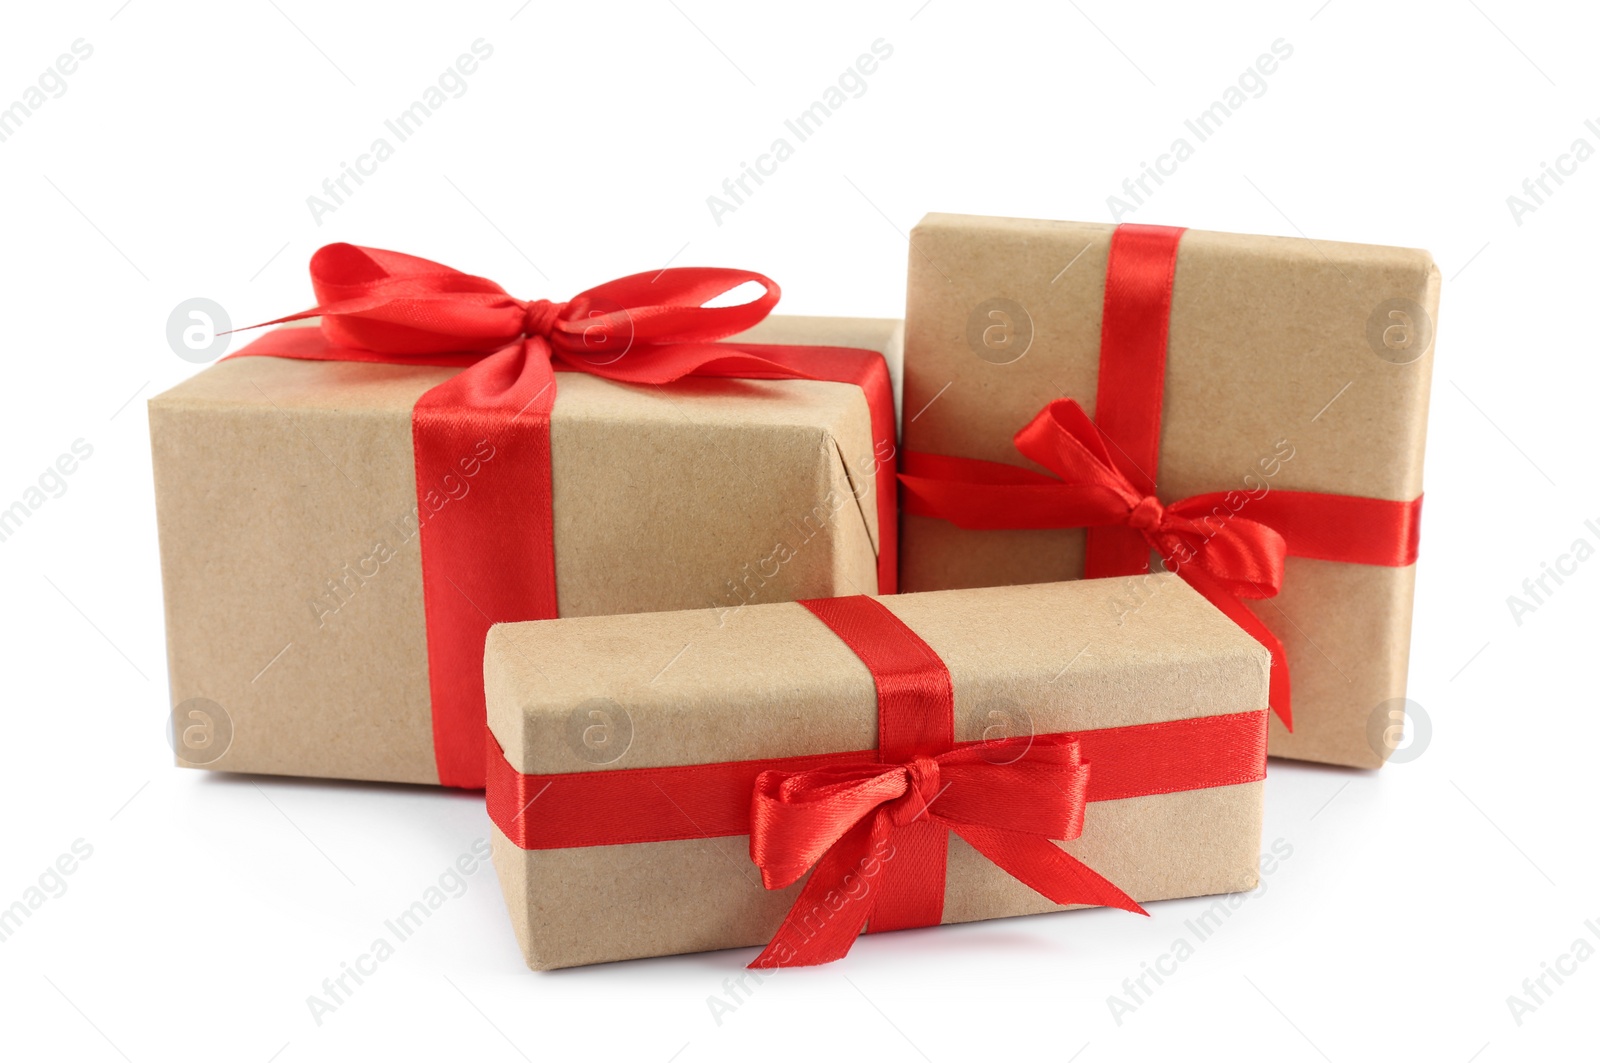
(177, 164)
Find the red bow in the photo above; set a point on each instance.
(1206, 539)
(1243, 556)
(1200, 536)
(1007, 799)
(648, 328)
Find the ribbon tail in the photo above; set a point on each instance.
(910, 890)
(1241, 614)
(832, 908)
(1045, 867)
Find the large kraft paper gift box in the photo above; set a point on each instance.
(290, 498)
(662, 783)
(1251, 397)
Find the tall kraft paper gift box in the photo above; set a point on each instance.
(289, 507)
(1290, 365)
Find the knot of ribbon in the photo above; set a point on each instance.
(1009, 800)
(539, 317)
(922, 787)
(1147, 514)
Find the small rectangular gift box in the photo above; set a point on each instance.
(662, 783)
(1246, 411)
(344, 512)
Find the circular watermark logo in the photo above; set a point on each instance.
(199, 731)
(607, 331)
(196, 330)
(1399, 331)
(999, 330)
(1006, 730)
(599, 731)
(1388, 735)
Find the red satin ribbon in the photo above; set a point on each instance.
(1105, 476)
(495, 560)
(873, 825)
(1133, 370)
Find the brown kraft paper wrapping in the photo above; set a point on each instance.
(1301, 365)
(705, 687)
(287, 504)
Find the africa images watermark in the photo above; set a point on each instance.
(1537, 590)
(51, 483)
(50, 885)
(342, 588)
(1153, 974)
(1537, 989)
(1537, 190)
(1143, 587)
(451, 84)
(1251, 84)
(451, 884)
(51, 84)
(745, 588)
(851, 85)
(854, 889)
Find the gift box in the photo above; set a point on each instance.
(1247, 411)
(311, 631)
(663, 783)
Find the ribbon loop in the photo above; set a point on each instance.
(1063, 439)
(797, 817)
(669, 305)
(395, 303)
